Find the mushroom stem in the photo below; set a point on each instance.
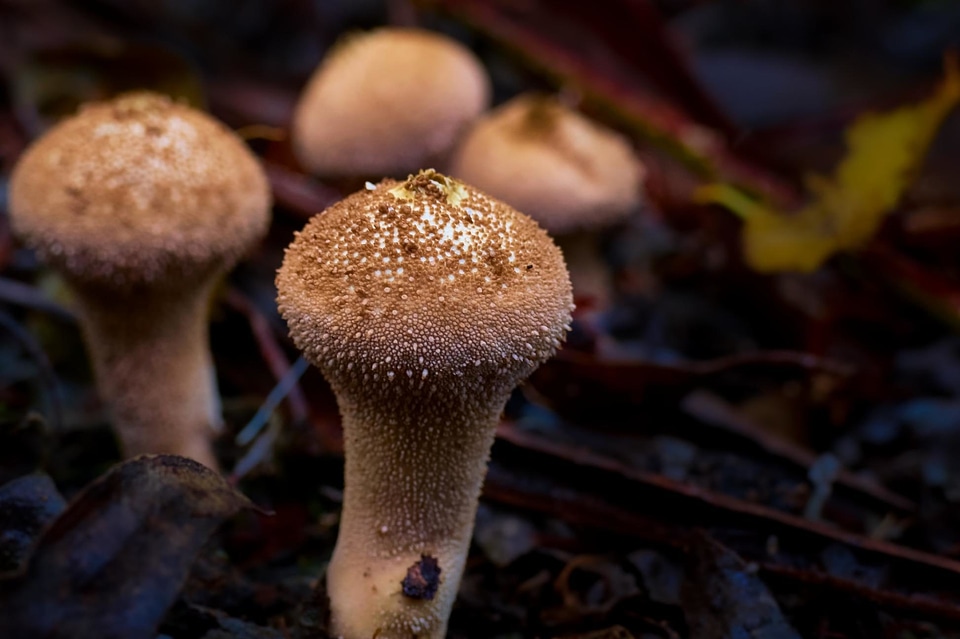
(405, 501)
(151, 359)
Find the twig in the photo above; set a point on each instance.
(283, 388)
(272, 354)
(260, 449)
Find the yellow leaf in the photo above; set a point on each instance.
(772, 241)
(884, 151)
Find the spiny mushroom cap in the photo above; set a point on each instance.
(420, 283)
(136, 190)
(576, 174)
(388, 103)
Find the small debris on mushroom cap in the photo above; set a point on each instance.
(547, 160)
(387, 103)
(139, 189)
(408, 282)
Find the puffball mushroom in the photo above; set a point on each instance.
(578, 177)
(387, 103)
(423, 303)
(142, 204)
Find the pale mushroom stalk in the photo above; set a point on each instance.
(424, 304)
(415, 507)
(131, 351)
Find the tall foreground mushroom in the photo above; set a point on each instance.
(142, 204)
(424, 303)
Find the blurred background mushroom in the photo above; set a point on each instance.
(142, 204)
(574, 176)
(387, 103)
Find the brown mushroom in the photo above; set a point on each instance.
(424, 303)
(387, 103)
(578, 177)
(142, 204)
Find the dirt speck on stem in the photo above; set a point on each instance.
(423, 578)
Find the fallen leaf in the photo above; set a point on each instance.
(884, 151)
(725, 598)
(27, 505)
(112, 564)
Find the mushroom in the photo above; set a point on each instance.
(423, 303)
(387, 103)
(142, 204)
(578, 177)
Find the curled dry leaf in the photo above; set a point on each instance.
(114, 561)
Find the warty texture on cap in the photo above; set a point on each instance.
(415, 282)
(139, 189)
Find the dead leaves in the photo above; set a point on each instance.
(884, 151)
(114, 561)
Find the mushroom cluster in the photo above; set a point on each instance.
(387, 103)
(142, 204)
(423, 303)
(579, 177)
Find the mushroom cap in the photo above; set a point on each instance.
(139, 190)
(424, 283)
(388, 103)
(564, 170)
